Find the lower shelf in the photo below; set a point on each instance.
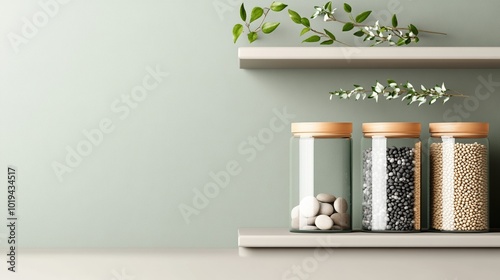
(365, 255)
(282, 238)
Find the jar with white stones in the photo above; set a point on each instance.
(320, 177)
(458, 154)
(391, 177)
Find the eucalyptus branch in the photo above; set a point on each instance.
(329, 38)
(266, 11)
(394, 90)
(391, 34)
(376, 32)
(332, 18)
(256, 13)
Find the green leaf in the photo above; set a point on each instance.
(359, 33)
(363, 16)
(305, 22)
(413, 29)
(330, 34)
(391, 82)
(305, 30)
(400, 42)
(347, 8)
(278, 6)
(406, 97)
(328, 6)
(257, 12)
(237, 30)
(243, 12)
(269, 27)
(327, 42)
(348, 26)
(295, 16)
(394, 21)
(408, 41)
(312, 39)
(369, 38)
(252, 36)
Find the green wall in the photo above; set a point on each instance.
(76, 73)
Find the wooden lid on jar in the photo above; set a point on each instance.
(392, 129)
(460, 129)
(322, 129)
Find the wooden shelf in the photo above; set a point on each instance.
(370, 58)
(282, 238)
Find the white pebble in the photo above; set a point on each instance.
(310, 221)
(325, 197)
(295, 212)
(309, 228)
(340, 205)
(341, 219)
(309, 206)
(325, 209)
(324, 222)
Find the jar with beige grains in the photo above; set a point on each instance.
(459, 176)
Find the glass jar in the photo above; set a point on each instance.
(320, 177)
(391, 172)
(459, 166)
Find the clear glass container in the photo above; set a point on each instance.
(320, 177)
(459, 167)
(391, 174)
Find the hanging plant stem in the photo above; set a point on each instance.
(394, 90)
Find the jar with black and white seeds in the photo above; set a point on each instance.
(459, 167)
(391, 177)
(320, 177)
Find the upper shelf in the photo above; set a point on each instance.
(369, 57)
(282, 238)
